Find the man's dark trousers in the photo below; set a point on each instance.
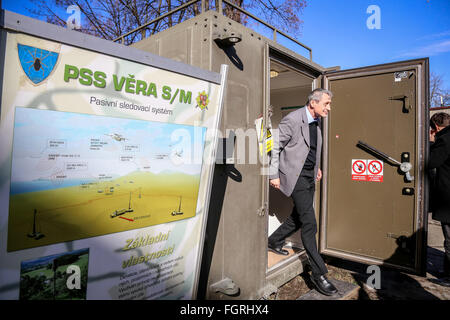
(303, 217)
(446, 231)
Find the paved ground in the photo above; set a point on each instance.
(394, 284)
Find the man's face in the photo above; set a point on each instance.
(322, 107)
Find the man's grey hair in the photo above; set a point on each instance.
(317, 94)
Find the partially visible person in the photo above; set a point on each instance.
(440, 192)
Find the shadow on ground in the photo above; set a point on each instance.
(394, 284)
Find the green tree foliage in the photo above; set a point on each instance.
(110, 19)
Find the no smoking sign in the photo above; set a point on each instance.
(359, 170)
(367, 170)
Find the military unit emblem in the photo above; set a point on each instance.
(36, 63)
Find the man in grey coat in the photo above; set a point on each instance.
(294, 168)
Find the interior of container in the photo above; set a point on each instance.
(289, 90)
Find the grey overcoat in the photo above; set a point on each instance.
(290, 151)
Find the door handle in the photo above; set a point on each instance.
(405, 166)
(403, 98)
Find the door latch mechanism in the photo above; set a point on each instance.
(403, 98)
(405, 165)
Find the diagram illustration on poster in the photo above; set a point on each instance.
(75, 175)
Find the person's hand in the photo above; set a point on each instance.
(319, 175)
(432, 135)
(275, 183)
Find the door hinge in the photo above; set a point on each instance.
(262, 211)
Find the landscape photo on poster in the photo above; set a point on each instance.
(56, 277)
(75, 176)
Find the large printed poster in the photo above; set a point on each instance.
(105, 165)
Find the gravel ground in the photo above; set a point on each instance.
(301, 284)
(395, 285)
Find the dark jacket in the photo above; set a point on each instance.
(440, 159)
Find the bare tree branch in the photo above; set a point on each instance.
(439, 96)
(110, 19)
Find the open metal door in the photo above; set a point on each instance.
(374, 194)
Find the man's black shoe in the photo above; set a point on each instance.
(323, 285)
(444, 281)
(278, 250)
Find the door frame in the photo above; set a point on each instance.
(287, 268)
(421, 66)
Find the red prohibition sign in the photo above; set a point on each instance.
(359, 167)
(375, 167)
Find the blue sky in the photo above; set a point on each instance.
(338, 34)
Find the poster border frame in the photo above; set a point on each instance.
(11, 22)
(15, 22)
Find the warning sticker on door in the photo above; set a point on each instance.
(398, 76)
(375, 170)
(367, 170)
(359, 170)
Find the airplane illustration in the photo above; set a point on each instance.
(116, 136)
(179, 153)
